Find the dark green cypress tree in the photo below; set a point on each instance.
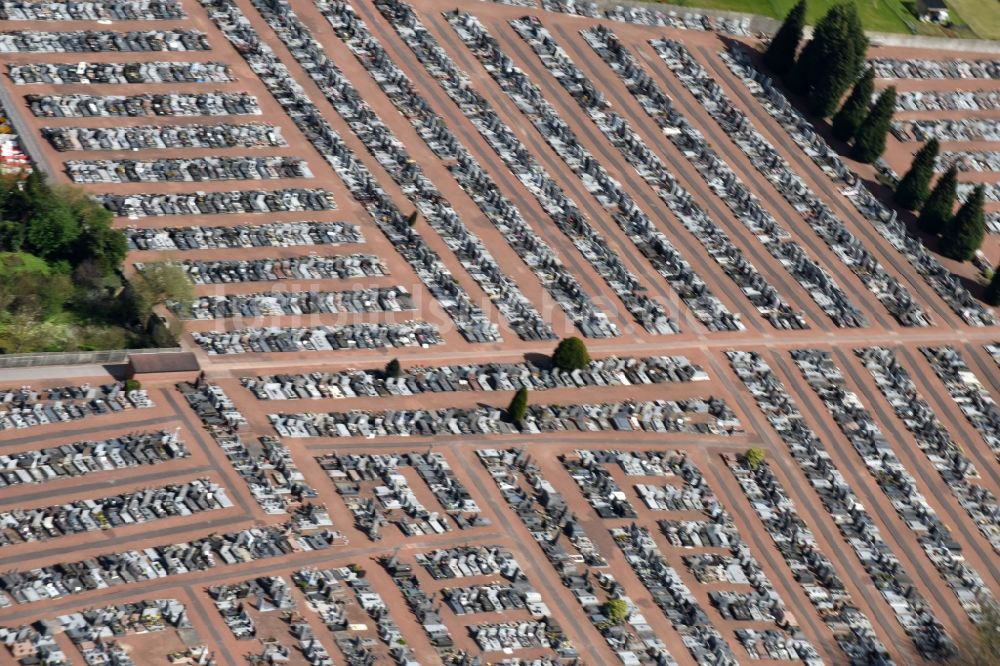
(856, 35)
(848, 120)
(869, 142)
(915, 186)
(831, 60)
(518, 406)
(780, 54)
(800, 79)
(832, 82)
(966, 231)
(937, 209)
(992, 295)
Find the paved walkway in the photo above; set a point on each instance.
(22, 375)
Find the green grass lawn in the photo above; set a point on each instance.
(19, 262)
(983, 16)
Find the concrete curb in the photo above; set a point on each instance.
(941, 43)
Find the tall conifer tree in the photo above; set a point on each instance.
(965, 233)
(915, 186)
(780, 54)
(937, 209)
(992, 295)
(831, 60)
(518, 407)
(848, 120)
(869, 142)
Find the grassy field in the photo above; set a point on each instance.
(983, 16)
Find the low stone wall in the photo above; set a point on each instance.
(767, 25)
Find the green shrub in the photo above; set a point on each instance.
(571, 354)
(754, 456)
(616, 610)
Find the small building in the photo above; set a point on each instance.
(156, 367)
(932, 11)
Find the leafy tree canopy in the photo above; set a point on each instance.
(60, 280)
(57, 223)
(30, 286)
(160, 283)
(571, 354)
